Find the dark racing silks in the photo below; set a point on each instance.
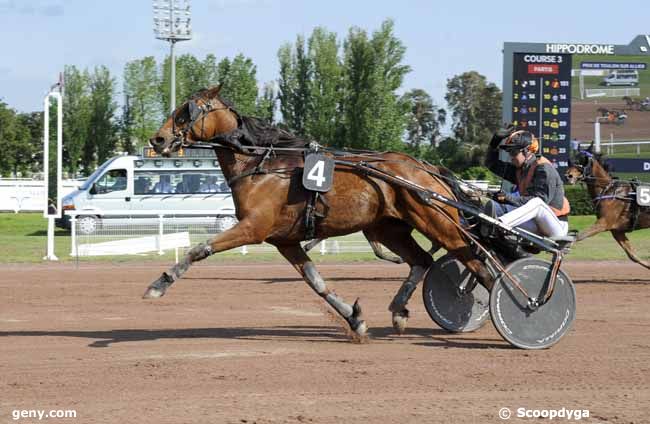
(523, 183)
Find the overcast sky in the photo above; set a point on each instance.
(442, 38)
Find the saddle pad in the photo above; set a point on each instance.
(318, 173)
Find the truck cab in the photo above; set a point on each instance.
(622, 77)
(191, 180)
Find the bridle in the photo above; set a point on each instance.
(605, 193)
(196, 112)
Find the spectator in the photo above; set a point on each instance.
(210, 185)
(142, 185)
(185, 185)
(164, 185)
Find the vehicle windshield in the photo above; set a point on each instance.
(99, 171)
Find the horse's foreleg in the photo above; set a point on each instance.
(241, 234)
(598, 227)
(624, 242)
(299, 259)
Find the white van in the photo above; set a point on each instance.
(622, 77)
(191, 180)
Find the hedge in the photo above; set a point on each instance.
(580, 200)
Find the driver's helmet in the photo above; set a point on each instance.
(519, 141)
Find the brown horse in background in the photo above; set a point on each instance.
(270, 202)
(616, 208)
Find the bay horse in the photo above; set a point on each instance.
(263, 166)
(614, 202)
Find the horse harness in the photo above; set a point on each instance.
(251, 131)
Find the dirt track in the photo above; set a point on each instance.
(252, 343)
(583, 115)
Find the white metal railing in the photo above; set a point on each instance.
(25, 194)
(612, 92)
(126, 232)
(611, 145)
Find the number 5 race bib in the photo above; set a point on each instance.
(318, 173)
(643, 195)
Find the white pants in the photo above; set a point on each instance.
(537, 217)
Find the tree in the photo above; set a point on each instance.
(192, 75)
(29, 157)
(8, 138)
(475, 106)
(295, 86)
(102, 131)
(265, 108)
(424, 119)
(127, 140)
(286, 84)
(325, 86)
(239, 83)
(141, 86)
(373, 115)
(76, 116)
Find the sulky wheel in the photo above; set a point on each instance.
(447, 307)
(532, 327)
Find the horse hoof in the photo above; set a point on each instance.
(399, 322)
(362, 329)
(153, 293)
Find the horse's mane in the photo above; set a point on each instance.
(601, 159)
(252, 131)
(259, 133)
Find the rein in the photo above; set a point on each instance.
(197, 112)
(606, 193)
(611, 185)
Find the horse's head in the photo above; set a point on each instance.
(574, 174)
(200, 118)
(582, 166)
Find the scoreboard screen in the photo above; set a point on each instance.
(576, 94)
(541, 101)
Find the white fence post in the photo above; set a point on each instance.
(323, 247)
(50, 256)
(160, 234)
(73, 234)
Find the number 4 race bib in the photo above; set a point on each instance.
(318, 173)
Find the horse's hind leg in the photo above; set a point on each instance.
(624, 242)
(439, 228)
(397, 237)
(379, 252)
(241, 234)
(375, 245)
(299, 259)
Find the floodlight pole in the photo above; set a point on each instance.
(172, 98)
(170, 28)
